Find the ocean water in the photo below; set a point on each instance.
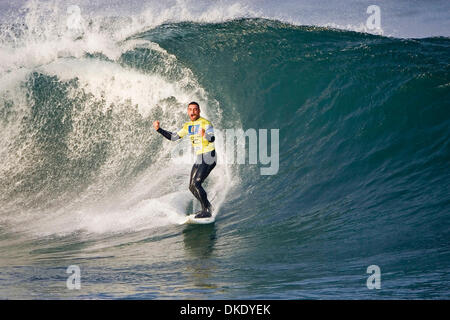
(364, 154)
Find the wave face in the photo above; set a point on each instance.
(363, 174)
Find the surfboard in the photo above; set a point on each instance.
(190, 219)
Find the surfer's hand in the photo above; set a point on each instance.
(202, 132)
(156, 125)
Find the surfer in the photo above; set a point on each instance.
(201, 133)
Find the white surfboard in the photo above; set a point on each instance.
(191, 219)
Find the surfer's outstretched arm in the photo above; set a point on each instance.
(169, 135)
(166, 134)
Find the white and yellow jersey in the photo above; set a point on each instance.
(200, 143)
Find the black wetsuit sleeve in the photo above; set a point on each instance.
(210, 137)
(209, 134)
(168, 135)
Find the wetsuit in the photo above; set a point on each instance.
(205, 161)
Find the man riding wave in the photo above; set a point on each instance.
(201, 133)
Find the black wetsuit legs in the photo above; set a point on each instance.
(199, 173)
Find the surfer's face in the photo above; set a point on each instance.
(193, 112)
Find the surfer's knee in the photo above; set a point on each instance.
(192, 187)
(196, 183)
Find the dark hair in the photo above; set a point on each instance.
(193, 102)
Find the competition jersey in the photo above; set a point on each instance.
(192, 129)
